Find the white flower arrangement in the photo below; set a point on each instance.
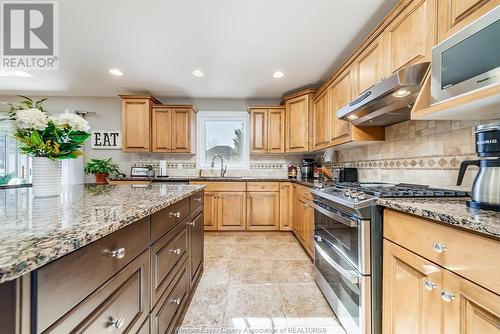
(73, 121)
(31, 119)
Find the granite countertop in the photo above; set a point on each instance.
(306, 182)
(35, 231)
(452, 211)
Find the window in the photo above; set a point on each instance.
(224, 134)
(14, 167)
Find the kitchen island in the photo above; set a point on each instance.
(99, 257)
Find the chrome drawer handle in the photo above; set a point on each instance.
(175, 301)
(439, 247)
(191, 223)
(447, 296)
(116, 322)
(198, 200)
(429, 285)
(175, 214)
(117, 253)
(177, 251)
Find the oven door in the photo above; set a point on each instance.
(348, 235)
(346, 290)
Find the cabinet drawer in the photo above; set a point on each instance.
(263, 186)
(164, 220)
(166, 314)
(167, 256)
(467, 254)
(120, 305)
(303, 191)
(196, 201)
(222, 186)
(84, 270)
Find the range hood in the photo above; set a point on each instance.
(389, 101)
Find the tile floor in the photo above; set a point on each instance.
(257, 280)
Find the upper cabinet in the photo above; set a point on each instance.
(173, 126)
(298, 112)
(409, 38)
(149, 126)
(320, 119)
(136, 122)
(267, 129)
(342, 93)
(368, 66)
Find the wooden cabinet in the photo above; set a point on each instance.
(368, 66)
(210, 203)
(195, 245)
(342, 94)
(411, 292)
(297, 128)
(136, 122)
(471, 308)
(263, 210)
(286, 206)
(173, 128)
(321, 120)
(303, 218)
(422, 289)
(409, 38)
(231, 210)
(267, 129)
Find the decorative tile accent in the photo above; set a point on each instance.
(268, 165)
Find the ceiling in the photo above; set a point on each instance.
(238, 45)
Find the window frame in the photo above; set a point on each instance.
(221, 116)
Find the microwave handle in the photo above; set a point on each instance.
(353, 278)
(339, 218)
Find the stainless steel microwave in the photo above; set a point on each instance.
(468, 60)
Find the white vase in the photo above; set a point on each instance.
(46, 177)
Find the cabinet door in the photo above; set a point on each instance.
(181, 130)
(210, 210)
(455, 14)
(195, 230)
(231, 207)
(301, 219)
(368, 66)
(162, 133)
(136, 129)
(321, 128)
(297, 124)
(342, 93)
(286, 206)
(263, 210)
(258, 130)
(469, 308)
(411, 292)
(309, 229)
(410, 37)
(275, 131)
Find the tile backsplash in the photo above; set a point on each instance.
(423, 152)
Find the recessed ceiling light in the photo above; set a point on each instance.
(198, 73)
(401, 93)
(352, 117)
(116, 72)
(20, 74)
(278, 75)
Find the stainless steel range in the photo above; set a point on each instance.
(348, 248)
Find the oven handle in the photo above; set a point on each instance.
(352, 277)
(339, 218)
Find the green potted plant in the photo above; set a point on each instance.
(101, 168)
(48, 139)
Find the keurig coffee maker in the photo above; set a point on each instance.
(485, 192)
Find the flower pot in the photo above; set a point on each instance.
(101, 178)
(46, 177)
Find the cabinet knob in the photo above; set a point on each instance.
(439, 247)
(191, 223)
(198, 199)
(175, 214)
(117, 253)
(429, 285)
(116, 322)
(176, 251)
(175, 301)
(447, 296)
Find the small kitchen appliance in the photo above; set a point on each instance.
(307, 167)
(348, 247)
(345, 174)
(485, 192)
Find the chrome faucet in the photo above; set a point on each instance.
(223, 169)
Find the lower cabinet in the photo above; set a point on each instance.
(303, 218)
(286, 206)
(231, 211)
(210, 220)
(195, 245)
(263, 212)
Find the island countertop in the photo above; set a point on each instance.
(35, 231)
(450, 211)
